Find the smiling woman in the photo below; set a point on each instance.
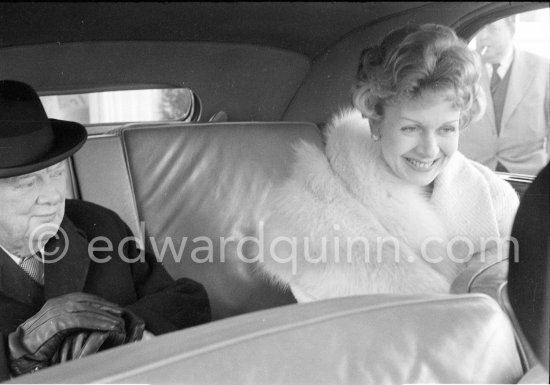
(418, 137)
(391, 206)
(191, 191)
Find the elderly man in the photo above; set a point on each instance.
(513, 134)
(64, 291)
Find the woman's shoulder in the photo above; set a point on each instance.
(346, 120)
(500, 189)
(466, 166)
(489, 175)
(505, 200)
(346, 115)
(312, 172)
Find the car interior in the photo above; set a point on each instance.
(264, 77)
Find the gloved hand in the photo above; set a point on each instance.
(33, 343)
(134, 326)
(84, 343)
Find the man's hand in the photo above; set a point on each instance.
(133, 325)
(33, 343)
(84, 343)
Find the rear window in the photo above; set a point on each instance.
(122, 106)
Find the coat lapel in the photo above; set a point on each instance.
(67, 262)
(520, 81)
(16, 284)
(473, 217)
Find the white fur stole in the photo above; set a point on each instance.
(343, 224)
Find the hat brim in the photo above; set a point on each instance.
(69, 137)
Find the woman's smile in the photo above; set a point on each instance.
(419, 136)
(423, 166)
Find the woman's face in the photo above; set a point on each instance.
(419, 136)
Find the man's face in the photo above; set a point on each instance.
(494, 41)
(31, 209)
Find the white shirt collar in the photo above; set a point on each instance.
(504, 64)
(18, 259)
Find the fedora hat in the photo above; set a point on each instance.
(29, 141)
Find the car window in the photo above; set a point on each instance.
(513, 134)
(121, 106)
(532, 32)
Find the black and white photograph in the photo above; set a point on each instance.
(291, 193)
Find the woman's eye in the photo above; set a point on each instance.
(447, 130)
(409, 128)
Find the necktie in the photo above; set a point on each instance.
(495, 78)
(34, 267)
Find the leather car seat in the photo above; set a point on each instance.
(374, 339)
(201, 187)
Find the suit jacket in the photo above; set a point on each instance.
(143, 287)
(522, 145)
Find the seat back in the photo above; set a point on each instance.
(72, 185)
(102, 175)
(375, 339)
(190, 192)
(200, 188)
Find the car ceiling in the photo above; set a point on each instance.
(305, 27)
(303, 53)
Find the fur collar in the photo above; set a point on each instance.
(402, 208)
(348, 192)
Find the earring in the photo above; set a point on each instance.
(375, 137)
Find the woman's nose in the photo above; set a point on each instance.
(429, 147)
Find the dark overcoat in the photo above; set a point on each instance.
(142, 286)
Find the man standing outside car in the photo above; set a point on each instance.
(513, 135)
(61, 299)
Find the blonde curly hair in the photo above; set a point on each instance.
(415, 59)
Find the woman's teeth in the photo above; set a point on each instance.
(419, 164)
